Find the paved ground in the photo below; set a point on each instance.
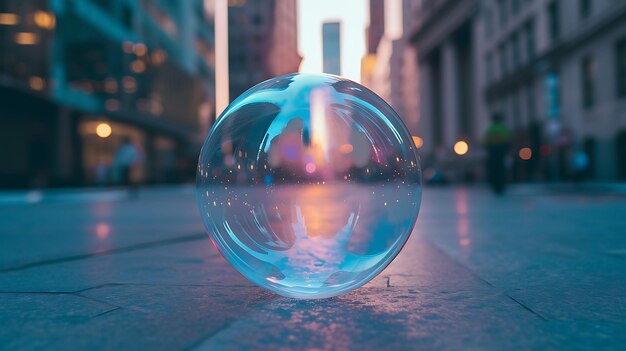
(99, 271)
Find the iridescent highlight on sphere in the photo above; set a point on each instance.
(309, 185)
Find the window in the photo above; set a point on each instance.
(502, 12)
(488, 23)
(515, 6)
(503, 60)
(620, 56)
(530, 103)
(529, 28)
(517, 113)
(554, 23)
(588, 71)
(126, 16)
(427, 4)
(553, 94)
(489, 60)
(438, 122)
(585, 8)
(105, 5)
(516, 61)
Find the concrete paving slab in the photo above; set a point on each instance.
(479, 272)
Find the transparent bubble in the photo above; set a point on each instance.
(309, 185)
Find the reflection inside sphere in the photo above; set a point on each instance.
(309, 185)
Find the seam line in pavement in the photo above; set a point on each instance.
(436, 247)
(136, 247)
(198, 343)
(526, 307)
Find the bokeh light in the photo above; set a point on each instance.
(461, 148)
(104, 130)
(9, 19)
(309, 185)
(525, 153)
(44, 20)
(419, 142)
(36, 83)
(26, 38)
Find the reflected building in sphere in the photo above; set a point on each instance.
(262, 42)
(309, 185)
(331, 47)
(79, 77)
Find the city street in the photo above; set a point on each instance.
(537, 269)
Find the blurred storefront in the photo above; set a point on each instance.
(79, 76)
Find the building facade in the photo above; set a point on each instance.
(445, 37)
(373, 34)
(263, 42)
(77, 78)
(376, 26)
(331, 47)
(557, 71)
(392, 71)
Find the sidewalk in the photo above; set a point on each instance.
(479, 272)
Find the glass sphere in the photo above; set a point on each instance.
(309, 185)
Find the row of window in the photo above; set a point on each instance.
(504, 10)
(509, 52)
(588, 76)
(520, 108)
(517, 49)
(588, 69)
(507, 9)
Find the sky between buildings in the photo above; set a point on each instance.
(353, 15)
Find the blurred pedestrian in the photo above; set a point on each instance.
(498, 143)
(126, 160)
(579, 165)
(102, 173)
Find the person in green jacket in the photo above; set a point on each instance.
(498, 143)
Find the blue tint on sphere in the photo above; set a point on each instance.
(309, 185)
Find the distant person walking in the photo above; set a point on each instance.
(498, 142)
(125, 161)
(579, 165)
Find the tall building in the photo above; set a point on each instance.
(373, 34)
(263, 42)
(79, 77)
(557, 70)
(391, 68)
(376, 26)
(409, 91)
(331, 47)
